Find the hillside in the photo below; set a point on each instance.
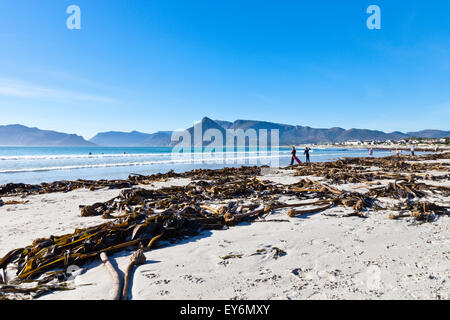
(19, 135)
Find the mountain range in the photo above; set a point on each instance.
(19, 135)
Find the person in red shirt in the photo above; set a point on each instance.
(294, 156)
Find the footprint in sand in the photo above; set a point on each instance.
(150, 274)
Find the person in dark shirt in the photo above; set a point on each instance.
(307, 155)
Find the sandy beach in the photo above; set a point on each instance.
(325, 255)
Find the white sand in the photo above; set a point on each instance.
(326, 257)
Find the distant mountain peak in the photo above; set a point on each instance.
(20, 135)
(208, 120)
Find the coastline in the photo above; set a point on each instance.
(28, 165)
(327, 255)
(383, 147)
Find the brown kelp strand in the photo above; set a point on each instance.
(11, 202)
(420, 211)
(21, 189)
(8, 292)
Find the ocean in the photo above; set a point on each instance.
(34, 165)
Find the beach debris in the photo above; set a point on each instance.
(57, 252)
(21, 189)
(272, 220)
(359, 214)
(2, 276)
(393, 216)
(115, 287)
(96, 209)
(22, 292)
(277, 252)
(396, 178)
(259, 252)
(420, 211)
(232, 256)
(12, 202)
(136, 259)
(294, 213)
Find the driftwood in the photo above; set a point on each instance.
(347, 215)
(295, 213)
(114, 293)
(137, 258)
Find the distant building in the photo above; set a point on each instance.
(353, 143)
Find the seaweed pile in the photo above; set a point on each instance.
(214, 199)
(21, 189)
(373, 170)
(403, 179)
(24, 190)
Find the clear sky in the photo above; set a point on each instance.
(162, 64)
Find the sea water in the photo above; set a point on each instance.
(48, 164)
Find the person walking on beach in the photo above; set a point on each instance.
(294, 156)
(371, 152)
(412, 150)
(307, 155)
(397, 152)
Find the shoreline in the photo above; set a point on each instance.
(43, 168)
(385, 147)
(80, 165)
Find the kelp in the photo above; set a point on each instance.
(21, 189)
(420, 211)
(8, 292)
(12, 202)
(363, 170)
(138, 230)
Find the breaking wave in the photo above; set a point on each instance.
(183, 160)
(112, 155)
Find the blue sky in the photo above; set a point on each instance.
(160, 65)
